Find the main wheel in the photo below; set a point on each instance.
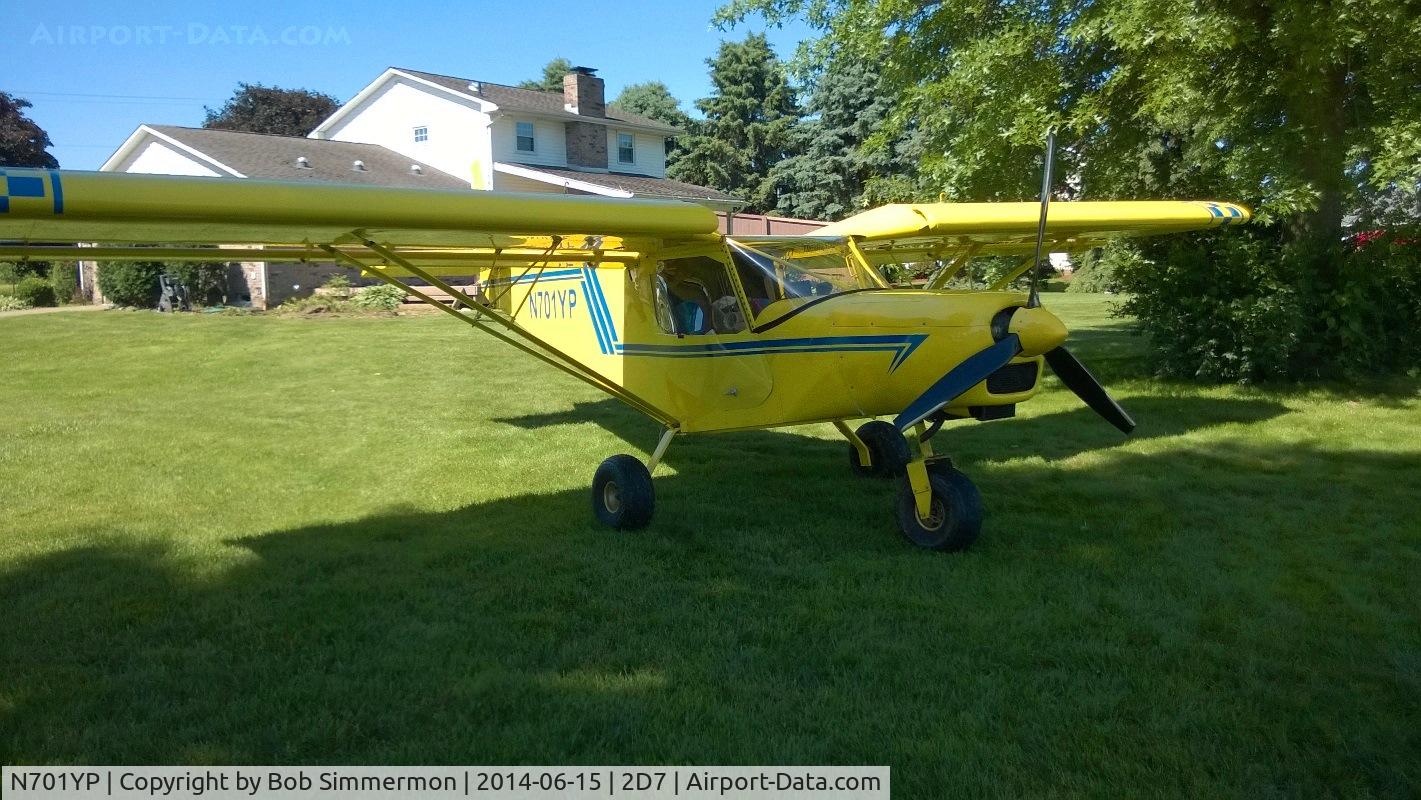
(956, 518)
(886, 446)
(622, 494)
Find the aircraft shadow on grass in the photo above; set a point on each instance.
(1049, 436)
(773, 628)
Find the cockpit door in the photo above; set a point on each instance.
(703, 333)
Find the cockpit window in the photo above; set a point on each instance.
(694, 296)
(772, 270)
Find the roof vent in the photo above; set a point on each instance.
(358, 165)
(475, 87)
(303, 162)
(416, 169)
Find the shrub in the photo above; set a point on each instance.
(1100, 267)
(131, 283)
(34, 291)
(314, 304)
(337, 281)
(9, 302)
(1243, 306)
(379, 298)
(64, 279)
(206, 281)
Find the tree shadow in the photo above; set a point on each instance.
(769, 619)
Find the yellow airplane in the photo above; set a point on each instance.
(647, 302)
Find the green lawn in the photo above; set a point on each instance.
(269, 540)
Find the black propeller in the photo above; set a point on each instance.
(1079, 380)
(1007, 346)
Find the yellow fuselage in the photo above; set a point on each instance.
(860, 354)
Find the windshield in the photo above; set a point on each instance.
(783, 269)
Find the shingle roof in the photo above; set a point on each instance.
(512, 98)
(640, 185)
(264, 156)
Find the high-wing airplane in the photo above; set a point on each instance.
(644, 300)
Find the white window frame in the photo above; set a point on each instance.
(631, 137)
(518, 136)
(421, 133)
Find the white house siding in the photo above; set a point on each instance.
(161, 158)
(549, 137)
(458, 131)
(650, 153)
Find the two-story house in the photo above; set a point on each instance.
(417, 129)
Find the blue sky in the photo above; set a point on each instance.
(163, 63)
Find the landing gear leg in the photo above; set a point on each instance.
(623, 496)
(938, 507)
(876, 450)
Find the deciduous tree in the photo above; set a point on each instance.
(22, 142)
(255, 108)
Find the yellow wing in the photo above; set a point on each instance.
(43, 211)
(930, 231)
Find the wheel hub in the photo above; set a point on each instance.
(612, 497)
(936, 516)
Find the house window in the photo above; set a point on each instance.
(421, 133)
(626, 148)
(525, 137)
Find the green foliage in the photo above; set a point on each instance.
(337, 281)
(553, 73)
(34, 292)
(11, 271)
(749, 125)
(206, 281)
(1098, 270)
(255, 108)
(22, 142)
(64, 279)
(1246, 307)
(379, 298)
(131, 283)
(653, 99)
(9, 302)
(1307, 113)
(844, 147)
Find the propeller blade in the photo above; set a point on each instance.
(959, 379)
(1079, 380)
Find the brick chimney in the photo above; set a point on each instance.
(583, 94)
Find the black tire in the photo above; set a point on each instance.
(622, 494)
(887, 448)
(957, 512)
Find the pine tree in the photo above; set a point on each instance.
(845, 148)
(749, 127)
(553, 73)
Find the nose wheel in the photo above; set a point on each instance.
(954, 518)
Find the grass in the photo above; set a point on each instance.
(269, 540)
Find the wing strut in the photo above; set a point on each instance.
(539, 348)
